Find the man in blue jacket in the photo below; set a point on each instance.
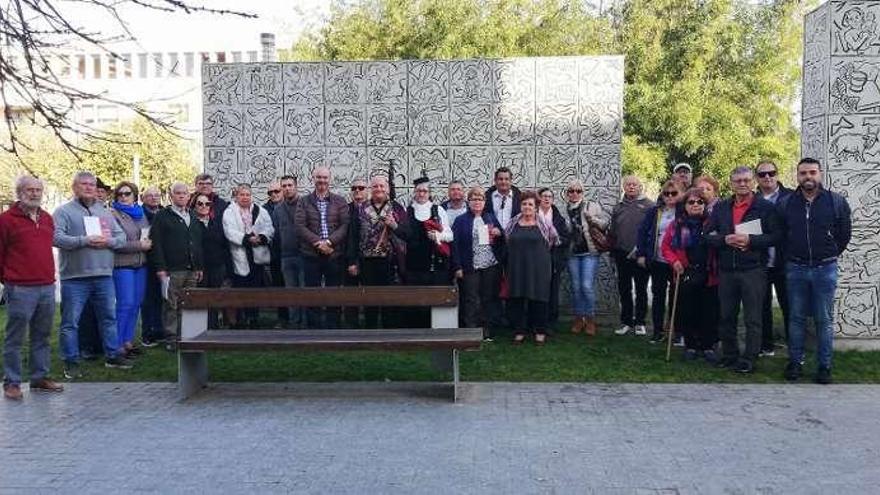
(741, 229)
(816, 226)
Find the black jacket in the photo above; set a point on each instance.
(176, 247)
(721, 224)
(560, 252)
(816, 233)
(215, 246)
(490, 205)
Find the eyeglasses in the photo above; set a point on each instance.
(274, 191)
(422, 190)
(670, 194)
(205, 183)
(477, 199)
(768, 173)
(696, 202)
(358, 188)
(202, 203)
(575, 191)
(744, 180)
(124, 193)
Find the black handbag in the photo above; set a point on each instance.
(694, 276)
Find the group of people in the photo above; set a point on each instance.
(505, 248)
(720, 255)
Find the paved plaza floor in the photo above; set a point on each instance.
(378, 438)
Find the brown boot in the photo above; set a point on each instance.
(590, 326)
(46, 385)
(12, 391)
(577, 324)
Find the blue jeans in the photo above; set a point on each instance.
(811, 293)
(130, 285)
(583, 277)
(34, 307)
(292, 271)
(74, 294)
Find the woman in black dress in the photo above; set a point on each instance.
(530, 240)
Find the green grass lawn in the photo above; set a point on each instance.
(565, 358)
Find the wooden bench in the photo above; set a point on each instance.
(444, 339)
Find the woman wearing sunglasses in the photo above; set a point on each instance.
(215, 252)
(650, 256)
(583, 261)
(696, 316)
(130, 264)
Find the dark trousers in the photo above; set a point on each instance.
(254, 279)
(629, 275)
(151, 310)
(277, 278)
(479, 291)
(90, 342)
(775, 279)
(661, 274)
(696, 316)
(351, 316)
(746, 288)
(321, 271)
(527, 315)
(213, 278)
(418, 317)
(377, 272)
(553, 304)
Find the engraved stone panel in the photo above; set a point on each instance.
(386, 82)
(303, 83)
(386, 125)
(428, 81)
(303, 126)
(262, 125)
(346, 125)
(841, 127)
(224, 125)
(548, 120)
(344, 83)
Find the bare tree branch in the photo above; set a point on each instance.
(32, 33)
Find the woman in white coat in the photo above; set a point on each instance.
(248, 228)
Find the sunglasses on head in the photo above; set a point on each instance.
(696, 202)
(202, 203)
(358, 188)
(670, 194)
(274, 191)
(768, 173)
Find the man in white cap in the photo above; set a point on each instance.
(684, 173)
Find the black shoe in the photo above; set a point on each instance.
(744, 367)
(149, 343)
(726, 362)
(118, 362)
(72, 371)
(793, 372)
(823, 376)
(657, 338)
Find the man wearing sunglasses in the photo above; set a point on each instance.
(741, 229)
(358, 189)
(773, 191)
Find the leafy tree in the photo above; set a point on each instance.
(164, 157)
(711, 82)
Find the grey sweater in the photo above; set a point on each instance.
(75, 258)
(130, 255)
(285, 229)
(625, 220)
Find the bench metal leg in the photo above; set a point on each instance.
(192, 374)
(447, 362)
(455, 375)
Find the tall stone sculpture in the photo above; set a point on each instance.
(840, 127)
(548, 119)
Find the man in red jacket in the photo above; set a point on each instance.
(27, 271)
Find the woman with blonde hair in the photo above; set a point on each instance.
(583, 261)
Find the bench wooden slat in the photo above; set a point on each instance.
(442, 296)
(336, 340)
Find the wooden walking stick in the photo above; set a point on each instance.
(671, 335)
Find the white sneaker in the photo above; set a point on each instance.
(623, 330)
(679, 342)
(641, 330)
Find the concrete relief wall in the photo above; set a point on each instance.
(548, 119)
(840, 127)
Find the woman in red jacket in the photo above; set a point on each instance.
(690, 258)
